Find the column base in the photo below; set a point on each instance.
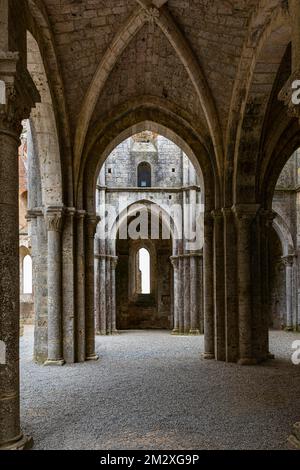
(247, 361)
(209, 356)
(194, 332)
(175, 332)
(21, 443)
(58, 363)
(94, 357)
(115, 333)
(289, 329)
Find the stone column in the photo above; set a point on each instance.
(200, 294)
(68, 283)
(102, 312)
(219, 291)
(194, 295)
(97, 285)
(114, 262)
(288, 262)
(261, 297)
(231, 294)
(177, 293)
(208, 263)
(80, 286)
(108, 296)
(54, 218)
(186, 295)
(13, 108)
(40, 283)
(91, 225)
(245, 216)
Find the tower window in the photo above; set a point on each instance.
(144, 175)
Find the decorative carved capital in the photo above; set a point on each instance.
(33, 214)
(54, 219)
(287, 93)
(268, 217)
(288, 260)
(217, 214)
(246, 212)
(92, 221)
(18, 94)
(175, 261)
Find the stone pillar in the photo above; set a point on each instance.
(108, 296)
(230, 280)
(245, 216)
(68, 283)
(219, 291)
(177, 293)
(186, 295)
(261, 296)
(97, 285)
(18, 97)
(194, 297)
(40, 282)
(114, 262)
(208, 257)
(200, 290)
(54, 218)
(102, 312)
(91, 225)
(288, 262)
(80, 286)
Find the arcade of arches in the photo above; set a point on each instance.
(133, 107)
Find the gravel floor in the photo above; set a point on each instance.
(150, 390)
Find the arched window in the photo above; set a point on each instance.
(27, 275)
(144, 175)
(144, 269)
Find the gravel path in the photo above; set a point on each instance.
(150, 390)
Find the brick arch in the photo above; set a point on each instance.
(143, 118)
(164, 20)
(251, 94)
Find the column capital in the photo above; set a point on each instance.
(286, 95)
(246, 211)
(54, 219)
(175, 261)
(227, 211)
(288, 260)
(18, 93)
(217, 214)
(92, 221)
(81, 214)
(114, 262)
(34, 213)
(268, 215)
